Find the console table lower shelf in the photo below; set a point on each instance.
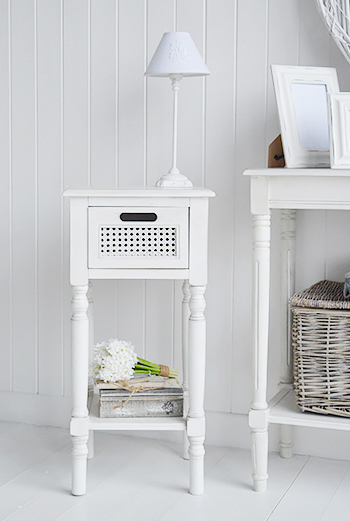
(283, 410)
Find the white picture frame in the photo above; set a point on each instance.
(339, 129)
(301, 94)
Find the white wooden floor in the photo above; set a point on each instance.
(140, 479)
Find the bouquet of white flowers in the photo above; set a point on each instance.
(113, 360)
(116, 360)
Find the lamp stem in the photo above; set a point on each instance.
(174, 178)
(175, 83)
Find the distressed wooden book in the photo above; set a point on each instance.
(141, 397)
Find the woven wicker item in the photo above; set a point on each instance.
(321, 348)
(325, 294)
(336, 16)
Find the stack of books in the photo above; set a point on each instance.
(140, 397)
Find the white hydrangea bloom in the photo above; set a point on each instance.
(113, 360)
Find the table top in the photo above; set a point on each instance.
(143, 191)
(297, 172)
(298, 188)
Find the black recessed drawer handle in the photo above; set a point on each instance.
(150, 217)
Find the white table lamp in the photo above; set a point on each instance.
(176, 56)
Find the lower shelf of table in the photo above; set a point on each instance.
(284, 411)
(131, 424)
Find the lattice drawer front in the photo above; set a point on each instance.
(137, 241)
(138, 237)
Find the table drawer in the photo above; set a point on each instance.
(138, 237)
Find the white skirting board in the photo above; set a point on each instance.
(223, 429)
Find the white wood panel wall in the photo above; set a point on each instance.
(76, 111)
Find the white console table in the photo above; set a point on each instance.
(146, 233)
(287, 190)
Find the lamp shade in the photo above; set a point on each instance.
(177, 55)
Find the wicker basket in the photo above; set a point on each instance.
(321, 348)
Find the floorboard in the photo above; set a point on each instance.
(339, 506)
(312, 491)
(137, 478)
(229, 493)
(166, 490)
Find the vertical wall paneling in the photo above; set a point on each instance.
(117, 92)
(49, 197)
(283, 26)
(66, 289)
(250, 152)
(66, 296)
(338, 246)
(104, 296)
(5, 197)
(131, 92)
(315, 48)
(89, 91)
(191, 18)
(130, 313)
(159, 321)
(177, 331)
(343, 67)
(145, 93)
(310, 254)
(76, 94)
(220, 176)
(103, 93)
(24, 193)
(159, 96)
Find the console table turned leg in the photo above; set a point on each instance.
(288, 235)
(79, 457)
(196, 381)
(80, 364)
(90, 314)
(260, 459)
(258, 416)
(286, 441)
(185, 319)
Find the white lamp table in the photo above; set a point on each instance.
(287, 190)
(146, 233)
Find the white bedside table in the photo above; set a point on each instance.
(146, 233)
(288, 190)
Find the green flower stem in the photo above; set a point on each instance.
(148, 364)
(143, 366)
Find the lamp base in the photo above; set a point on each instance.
(174, 179)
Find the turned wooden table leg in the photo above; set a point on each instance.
(258, 415)
(196, 382)
(185, 319)
(288, 233)
(90, 314)
(80, 365)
